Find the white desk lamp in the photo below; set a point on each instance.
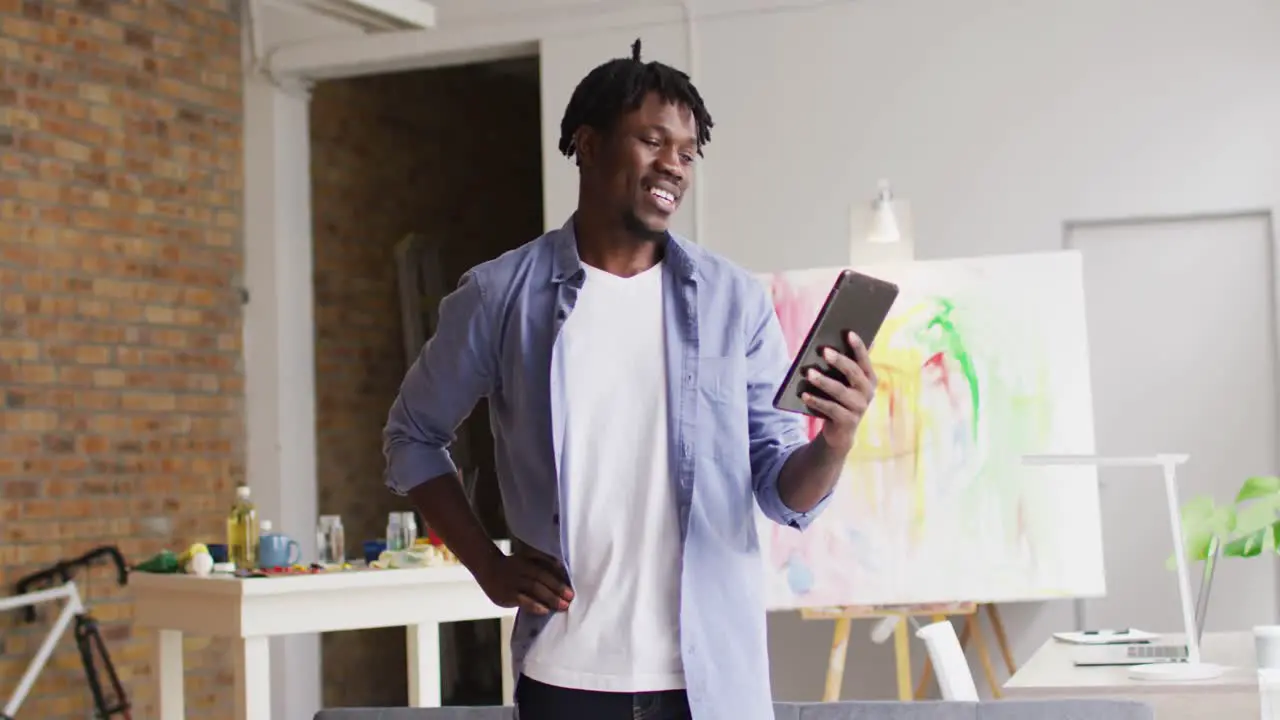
(1193, 668)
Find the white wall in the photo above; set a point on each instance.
(1000, 121)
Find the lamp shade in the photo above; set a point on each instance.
(884, 223)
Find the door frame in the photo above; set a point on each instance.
(1269, 216)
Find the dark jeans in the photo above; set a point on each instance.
(539, 701)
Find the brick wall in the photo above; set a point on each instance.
(452, 154)
(121, 392)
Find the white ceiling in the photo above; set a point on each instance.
(282, 24)
(473, 10)
(286, 23)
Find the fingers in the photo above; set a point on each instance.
(862, 357)
(543, 586)
(839, 394)
(857, 378)
(846, 402)
(531, 605)
(829, 409)
(850, 396)
(552, 566)
(540, 581)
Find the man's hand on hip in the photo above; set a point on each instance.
(527, 578)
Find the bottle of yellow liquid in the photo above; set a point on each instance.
(242, 531)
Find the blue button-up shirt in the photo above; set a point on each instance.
(725, 358)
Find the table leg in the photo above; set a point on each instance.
(253, 678)
(507, 625)
(424, 665)
(170, 672)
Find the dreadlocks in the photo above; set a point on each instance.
(618, 87)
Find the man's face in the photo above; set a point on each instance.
(645, 165)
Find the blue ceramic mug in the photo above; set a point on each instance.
(373, 550)
(276, 550)
(218, 551)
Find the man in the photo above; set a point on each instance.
(630, 377)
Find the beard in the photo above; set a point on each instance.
(637, 229)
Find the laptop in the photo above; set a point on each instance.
(1146, 653)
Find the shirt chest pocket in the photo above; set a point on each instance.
(722, 408)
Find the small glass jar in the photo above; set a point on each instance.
(331, 542)
(395, 532)
(409, 529)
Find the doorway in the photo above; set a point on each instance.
(1182, 340)
(451, 155)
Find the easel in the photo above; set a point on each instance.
(844, 617)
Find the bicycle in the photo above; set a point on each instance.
(55, 584)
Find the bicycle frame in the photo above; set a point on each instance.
(73, 607)
(56, 583)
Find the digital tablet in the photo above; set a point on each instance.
(857, 303)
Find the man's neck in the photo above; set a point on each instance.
(611, 247)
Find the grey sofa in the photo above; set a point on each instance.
(927, 710)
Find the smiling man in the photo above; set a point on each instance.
(630, 376)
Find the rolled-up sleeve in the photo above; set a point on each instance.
(774, 434)
(454, 370)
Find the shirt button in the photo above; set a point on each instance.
(687, 448)
(688, 377)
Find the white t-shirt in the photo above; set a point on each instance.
(622, 630)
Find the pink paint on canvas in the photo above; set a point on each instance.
(931, 505)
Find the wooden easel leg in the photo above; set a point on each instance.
(1001, 639)
(927, 674)
(835, 661)
(902, 654)
(983, 656)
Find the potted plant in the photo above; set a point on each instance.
(1247, 527)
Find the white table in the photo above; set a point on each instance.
(1050, 673)
(251, 610)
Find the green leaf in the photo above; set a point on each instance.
(1257, 515)
(1249, 526)
(1247, 546)
(1201, 521)
(1199, 507)
(1258, 487)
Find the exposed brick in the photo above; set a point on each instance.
(453, 154)
(121, 395)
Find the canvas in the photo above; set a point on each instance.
(981, 361)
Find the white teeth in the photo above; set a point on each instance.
(662, 195)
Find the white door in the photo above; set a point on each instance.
(1182, 344)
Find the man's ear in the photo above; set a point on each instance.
(587, 145)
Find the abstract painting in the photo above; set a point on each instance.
(981, 361)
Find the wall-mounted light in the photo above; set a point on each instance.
(884, 222)
(880, 231)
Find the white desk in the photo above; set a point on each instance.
(1050, 674)
(252, 610)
